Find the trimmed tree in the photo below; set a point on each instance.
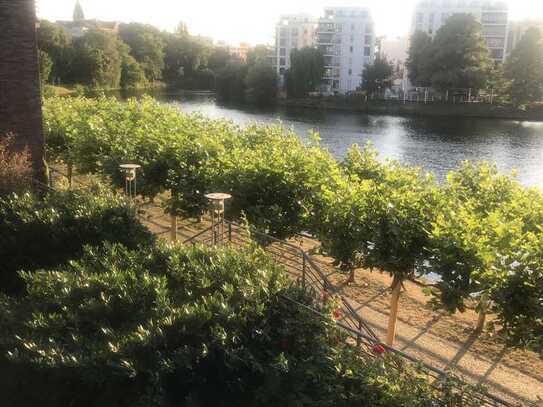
(419, 59)
(306, 71)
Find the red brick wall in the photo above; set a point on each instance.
(20, 98)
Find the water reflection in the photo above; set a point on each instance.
(437, 144)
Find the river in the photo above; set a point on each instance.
(437, 144)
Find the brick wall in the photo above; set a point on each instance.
(20, 99)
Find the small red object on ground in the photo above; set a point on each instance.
(338, 314)
(379, 349)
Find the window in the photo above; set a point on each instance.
(294, 31)
(350, 72)
(283, 42)
(283, 52)
(353, 27)
(283, 61)
(282, 71)
(420, 18)
(367, 39)
(351, 49)
(367, 51)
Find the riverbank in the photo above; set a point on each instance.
(399, 108)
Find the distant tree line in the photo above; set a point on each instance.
(141, 55)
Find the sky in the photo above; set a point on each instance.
(250, 21)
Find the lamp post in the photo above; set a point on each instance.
(130, 178)
(217, 201)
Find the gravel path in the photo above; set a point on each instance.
(441, 340)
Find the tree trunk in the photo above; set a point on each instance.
(173, 229)
(20, 90)
(394, 303)
(70, 175)
(481, 321)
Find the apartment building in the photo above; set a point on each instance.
(346, 37)
(430, 15)
(293, 31)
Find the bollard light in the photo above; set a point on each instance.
(217, 201)
(130, 178)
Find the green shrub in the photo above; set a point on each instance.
(186, 326)
(42, 233)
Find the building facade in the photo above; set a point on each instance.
(293, 31)
(517, 30)
(430, 15)
(346, 37)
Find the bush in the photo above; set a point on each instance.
(46, 233)
(15, 168)
(186, 326)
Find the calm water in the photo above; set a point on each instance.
(436, 144)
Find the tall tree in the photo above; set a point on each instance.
(261, 83)
(54, 40)
(306, 71)
(418, 61)
(147, 47)
(377, 75)
(459, 55)
(20, 96)
(525, 68)
(98, 60)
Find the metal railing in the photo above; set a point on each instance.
(300, 266)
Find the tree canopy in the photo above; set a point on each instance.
(418, 62)
(306, 71)
(377, 75)
(146, 46)
(525, 68)
(460, 57)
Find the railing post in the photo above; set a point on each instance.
(229, 232)
(358, 333)
(303, 270)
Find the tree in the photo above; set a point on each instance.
(258, 54)
(132, 75)
(419, 58)
(378, 75)
(20, 98)
(261, 83)
(218, 59)
(306, 71)
(230, 83)
(185, 56)
(146, 46)
(525, 68)
(54, 40)
(97, 60)
(459, 55)
(46, 66)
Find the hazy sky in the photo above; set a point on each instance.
(250, 21)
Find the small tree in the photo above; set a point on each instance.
(525, 68)
(419, 59)
(306, 71)
(459, 55)
(46, 66)
(378, 75)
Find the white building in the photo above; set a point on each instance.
(430, 15)
(517, 29)
(346, 36)
(293, 31)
